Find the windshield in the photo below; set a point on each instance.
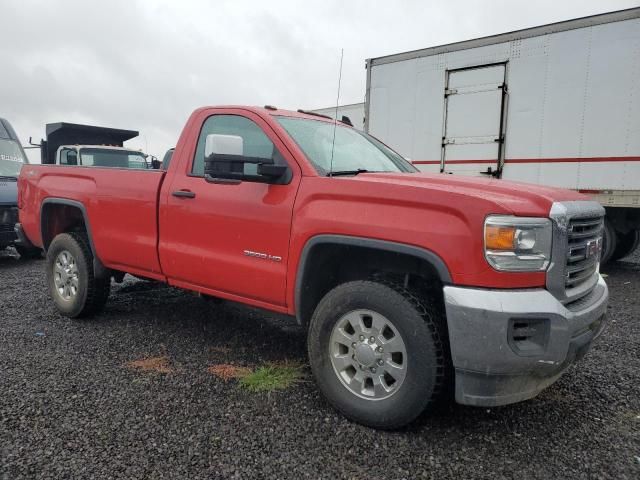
(353, 150)
(99, 157)
(11, 158)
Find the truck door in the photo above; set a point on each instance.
(230, 238)
(473, 139)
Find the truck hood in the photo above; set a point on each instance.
(8, 191)
(518, 198)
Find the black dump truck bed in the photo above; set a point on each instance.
(63, 133)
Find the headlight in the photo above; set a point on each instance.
(517, 244)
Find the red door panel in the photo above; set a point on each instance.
(231, 238)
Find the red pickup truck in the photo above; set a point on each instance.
(411, 286)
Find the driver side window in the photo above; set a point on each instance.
(68, 157)
(255, 142)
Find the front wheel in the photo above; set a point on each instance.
(73, 286)
(627, 244)
(378, 353)
(609, 242)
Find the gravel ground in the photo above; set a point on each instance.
(70, 407)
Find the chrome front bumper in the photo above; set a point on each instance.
(508, 345)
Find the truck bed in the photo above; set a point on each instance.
(126, 242)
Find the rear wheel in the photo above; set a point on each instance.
(73, 286)
(609, 242)
(626, 245)
(378, 353)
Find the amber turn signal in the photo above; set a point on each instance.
(499, 237)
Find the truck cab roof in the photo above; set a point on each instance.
(278, 112)
(6, 130)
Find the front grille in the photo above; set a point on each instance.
(7, 238)
(583, 250)
(8, 220)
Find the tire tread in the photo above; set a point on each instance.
(97, 289)
(434, 318)
(432, 315)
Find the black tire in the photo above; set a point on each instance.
(424, 335)
(609, 242)
(627, 244)
(28, 253)
(92, 293)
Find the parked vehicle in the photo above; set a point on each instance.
(409, 283)
(63, 135)
(556, 105)
(89, 146)
(12, 157)
(103, 156)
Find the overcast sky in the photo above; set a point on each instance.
(145, 65)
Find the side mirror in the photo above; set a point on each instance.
(225, 162)
(154, 163)
(68, 156)
(217, 144)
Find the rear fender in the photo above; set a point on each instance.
(52, 224)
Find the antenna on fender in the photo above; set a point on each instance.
(335, 119)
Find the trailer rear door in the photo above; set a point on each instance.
(473, 138)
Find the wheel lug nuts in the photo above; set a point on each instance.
(353, 345)
(373, 369)
(372, 340)
(362, 338)
(379, 349)
(380, 362)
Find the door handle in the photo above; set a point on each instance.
(184, 194)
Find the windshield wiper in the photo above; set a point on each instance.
(7, 177)
(348, 172)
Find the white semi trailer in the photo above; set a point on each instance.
(556, 105)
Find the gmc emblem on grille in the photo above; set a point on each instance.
(593, 248)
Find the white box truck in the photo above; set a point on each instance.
(557, 105)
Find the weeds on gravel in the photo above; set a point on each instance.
(273, 376)
(152, 364)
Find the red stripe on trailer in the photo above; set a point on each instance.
(457, 162)
(533, 160)
(573, 160)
